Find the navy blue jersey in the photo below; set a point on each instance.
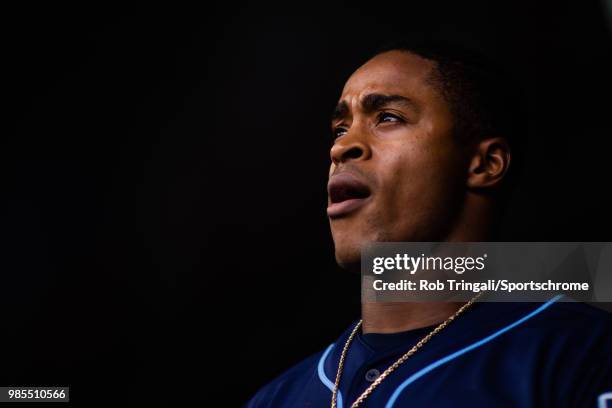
(553, 354)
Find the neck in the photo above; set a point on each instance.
(396, 317)
(472, 225)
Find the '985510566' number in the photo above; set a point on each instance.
(34, 393)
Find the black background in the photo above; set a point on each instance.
(164, 170)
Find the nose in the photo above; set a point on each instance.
(349, 148)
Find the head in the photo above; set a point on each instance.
(422, 149)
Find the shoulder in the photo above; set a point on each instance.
(575, 320)
(287, 383)
(581, 312)
(575, 352)
(562, 326)
(584, 365)
(556, 321)
(580, 330)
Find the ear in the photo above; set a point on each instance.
(489, 163)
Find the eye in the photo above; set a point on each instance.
(339, 131)
(389, 117)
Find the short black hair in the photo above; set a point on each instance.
(483, 97)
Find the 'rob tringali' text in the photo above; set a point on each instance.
(493, 285)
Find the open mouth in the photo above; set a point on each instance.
(346, 193)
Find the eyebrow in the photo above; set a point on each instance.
(373, 102)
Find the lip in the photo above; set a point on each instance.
(347, 193)
(345, 207)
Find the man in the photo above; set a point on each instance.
(424, 139)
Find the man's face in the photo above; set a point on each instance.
(397, 172)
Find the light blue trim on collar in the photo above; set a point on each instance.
(602, 401)
(323, 377)
(458, 353)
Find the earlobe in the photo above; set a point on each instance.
(489, 163)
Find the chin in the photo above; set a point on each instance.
(349, 263)
(348, 252)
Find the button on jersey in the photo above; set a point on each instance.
(554, 354)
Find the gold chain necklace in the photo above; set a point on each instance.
(399, 361)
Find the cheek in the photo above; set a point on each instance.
(419, 184)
